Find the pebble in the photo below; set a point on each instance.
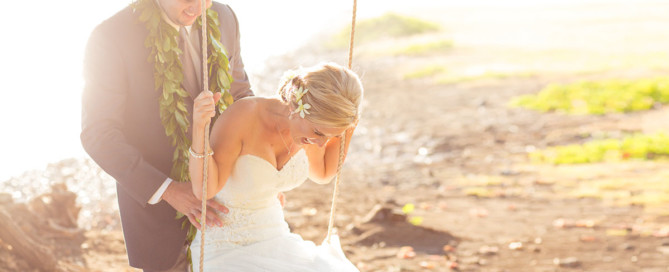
(427, 265)
(516, 246)
(406, 252)
(534, 249)
(448, 248)
(627, 247)
(488, 250)
(570, 262)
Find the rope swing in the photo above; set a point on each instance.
(342, 142)
(205, 166)
(205, 81)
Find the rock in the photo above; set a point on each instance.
(665, 242)
(538, 240)
(535, 249)
(488, 250)
(406, 252)
(516, 246)
(448, 248)
(627, 247)
(571, 262)
(427, 265)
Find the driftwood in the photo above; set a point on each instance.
(35, 254)
(43, 233)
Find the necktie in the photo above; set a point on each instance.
(189, 59)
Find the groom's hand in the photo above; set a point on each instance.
(180, 196)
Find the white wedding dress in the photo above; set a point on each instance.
(255, 236)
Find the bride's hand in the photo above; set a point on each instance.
(204, 108)
(349, 131)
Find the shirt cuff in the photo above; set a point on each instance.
(158, 195)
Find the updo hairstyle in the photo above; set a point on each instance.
(335, 93)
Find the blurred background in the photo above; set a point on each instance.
(507, 135)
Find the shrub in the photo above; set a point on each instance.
(390, 25)
(598, 97)
(638, 146)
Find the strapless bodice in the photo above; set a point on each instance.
(250, 194)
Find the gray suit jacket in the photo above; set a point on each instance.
(122, 131)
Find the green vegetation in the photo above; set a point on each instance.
(638, 146)
(389, 25)
(598, 97)
(425, 48)
(426, 71)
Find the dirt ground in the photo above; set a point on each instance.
(458, 153)
(473, 141)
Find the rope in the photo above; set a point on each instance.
(350, 45)
(335, 191)
(205, 167)
(342, 143)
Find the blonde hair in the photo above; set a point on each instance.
(335, 93)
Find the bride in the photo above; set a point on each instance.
(262, 146)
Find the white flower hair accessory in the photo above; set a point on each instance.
(302, 108)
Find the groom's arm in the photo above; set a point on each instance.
(103, 107)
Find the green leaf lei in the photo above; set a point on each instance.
(168, 76)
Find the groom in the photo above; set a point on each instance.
(123, 133)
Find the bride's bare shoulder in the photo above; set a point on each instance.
(252, 105)
(245, 107)
(246, 111)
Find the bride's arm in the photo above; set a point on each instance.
(323, 161)
(225, 141)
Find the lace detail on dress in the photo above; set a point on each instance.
(246, 226)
